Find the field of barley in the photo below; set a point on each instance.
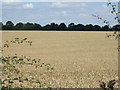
(80, 59)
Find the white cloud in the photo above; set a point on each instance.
(64, 13)
(104, 6)
(59, 5)
(27, 6)
(56, 21)
(62, 5)
(103, 10)
(65, 0)
(82, 15)
(11, 5)
(78, 5)
(83, 5)
(10, 1)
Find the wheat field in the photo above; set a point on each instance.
(80, 59)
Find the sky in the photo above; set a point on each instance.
(47, 12)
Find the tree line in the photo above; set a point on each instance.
(55, 27)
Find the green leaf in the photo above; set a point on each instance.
(37, 81)
(11, 81)
(41, 85)
(31, 81)
(16, 79)
(20, 81)
(26, 79)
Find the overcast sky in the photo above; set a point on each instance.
(47, 12)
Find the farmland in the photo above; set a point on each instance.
(80, 59)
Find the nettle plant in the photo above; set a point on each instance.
(12, 76)
(116, 35)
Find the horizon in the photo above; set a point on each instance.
(58, 24)
(45, 13)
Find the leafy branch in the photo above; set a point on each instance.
(11, 68)
(109, 85)
(17, 41)
(116, 35)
